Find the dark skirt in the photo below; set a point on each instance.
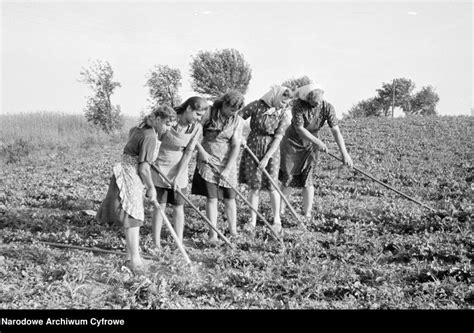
(248, 169)
(167, 195)
(210, 190)
(110, 211)
(297, 164)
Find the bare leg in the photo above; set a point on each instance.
(253, 198)
(231, 213)
(286, 192)
(275, 203)
(129, 255)
(308, 195)
(211, 212)
(132, 239)
(178, 221)
(156, 225)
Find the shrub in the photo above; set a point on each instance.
(16, 151)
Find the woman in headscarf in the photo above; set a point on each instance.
(300, 145)
(176, 149)
(123, 204)
(220, 146)
(268, 122)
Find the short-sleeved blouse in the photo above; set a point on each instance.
(142, 143)
(313, 117)
(298, 155)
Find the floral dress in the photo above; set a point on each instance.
(298, 156)
(266, 124)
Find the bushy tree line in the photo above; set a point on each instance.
(398, 93)
(212, 74)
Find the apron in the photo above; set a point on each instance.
(216, 142)
(299, 154)
(173, 145)
(130, 185)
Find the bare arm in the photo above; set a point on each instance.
(305, 134)
(182, 165)
(336, 132)
(234, 152)
(188, 152)
(145, 174)
(271, 150)
(202, 153)
(273, 147)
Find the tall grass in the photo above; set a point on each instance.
(22, 133)
(49, 130)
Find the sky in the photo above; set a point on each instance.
(350, 48)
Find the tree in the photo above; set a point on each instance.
(214, 73)
(366, 108)
(163, 83)
(296, 83)
(99, 109)
(424, 102)
(397, 92)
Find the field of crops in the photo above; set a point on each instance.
(366, 247)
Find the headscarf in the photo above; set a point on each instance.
(273, 98)
(302, 92)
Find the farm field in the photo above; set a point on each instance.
(366, 247)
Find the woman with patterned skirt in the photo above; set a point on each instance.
(123, 204)
(300, 145)
(220, 146)
(176, 149)
(268, 122)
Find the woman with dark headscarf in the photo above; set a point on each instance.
(300, 145)
(220, 146)
(176, 149)
(268, 122)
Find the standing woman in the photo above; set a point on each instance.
(222, 135)
(300, 145)
(177, 147)
(268, 123)
(123, 204)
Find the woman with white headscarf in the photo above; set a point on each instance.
(268, 122)
(300, 145)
